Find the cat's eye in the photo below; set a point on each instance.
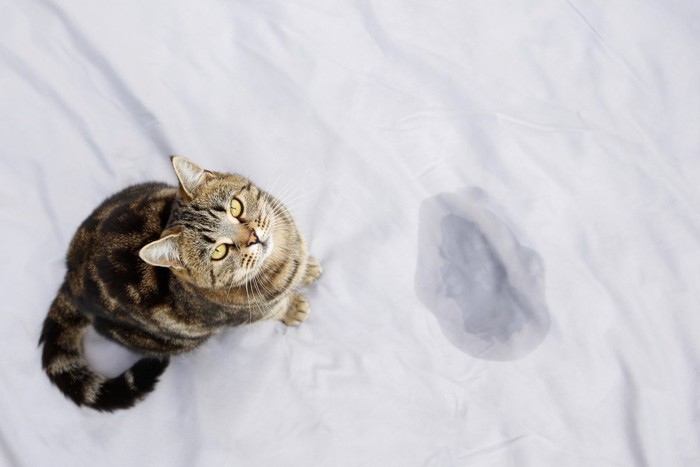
(236, 208)
(219, 252)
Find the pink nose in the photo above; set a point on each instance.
(253, 239)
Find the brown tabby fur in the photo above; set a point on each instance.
(139, 270)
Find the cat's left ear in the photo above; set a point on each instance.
(191, 175)
(163, 252)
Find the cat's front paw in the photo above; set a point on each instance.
(313, 271)
(298, 311)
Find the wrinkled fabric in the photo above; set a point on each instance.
(576, 122)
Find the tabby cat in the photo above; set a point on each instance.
(160, 269)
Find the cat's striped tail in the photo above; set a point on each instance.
(65, 364)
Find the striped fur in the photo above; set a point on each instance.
(140, 270)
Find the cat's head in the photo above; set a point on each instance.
(224, 231)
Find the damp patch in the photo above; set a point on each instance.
(485, 288)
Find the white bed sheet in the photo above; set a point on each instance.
(449, 161)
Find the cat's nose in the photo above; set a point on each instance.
(253, 239)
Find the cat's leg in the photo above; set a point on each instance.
(313, 271)
(292, 311)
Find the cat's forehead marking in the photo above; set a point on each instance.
(226, 186)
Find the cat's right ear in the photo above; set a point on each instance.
(163, 252)
(190, 175)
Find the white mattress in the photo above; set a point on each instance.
(504, 196)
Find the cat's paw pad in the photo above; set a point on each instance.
(297, 312)
(313, 271)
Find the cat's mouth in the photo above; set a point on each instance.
(264, 244)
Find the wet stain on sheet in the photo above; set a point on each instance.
(484, 287)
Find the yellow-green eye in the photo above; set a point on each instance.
(219, 252)
(236, 208)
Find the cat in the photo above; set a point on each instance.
(160, 269)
